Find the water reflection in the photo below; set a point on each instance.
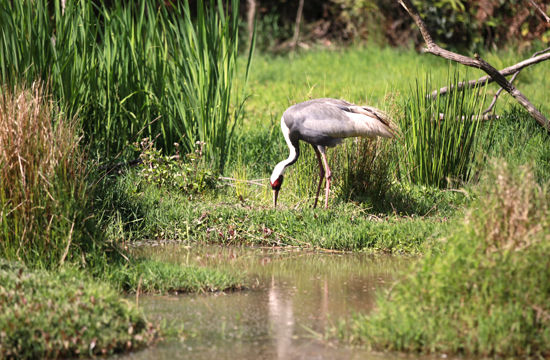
(298, 295)
(281, 319)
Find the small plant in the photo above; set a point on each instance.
(443, 135)
(171, 171)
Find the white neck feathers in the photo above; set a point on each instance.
(280, 167)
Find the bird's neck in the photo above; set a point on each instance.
(292, 157)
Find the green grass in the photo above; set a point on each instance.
(66, 314)
(487, 292)
(371, 75)
(401, 222)
(442, 141)
(132, 70)
(149, 276)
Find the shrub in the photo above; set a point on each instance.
(191, 176)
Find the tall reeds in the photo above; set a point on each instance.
(442, 135)
(42, 180)
(132, 69)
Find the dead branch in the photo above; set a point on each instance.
(250, 15)
(297, 24)
(478, 63)
(542, 12)
(484, 80)
(495, 98)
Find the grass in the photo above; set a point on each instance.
(132, 70)
(148, 212)
(373, 208)
(430, 310)
(486, 294)
(442, 139)
(369, 75)
(65, 314)
(150, 276)
(44, 207)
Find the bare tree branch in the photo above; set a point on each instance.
(495, 98)
(250, 15)
(297, 24)
(542, 12)
(484, 80)
(478, 62)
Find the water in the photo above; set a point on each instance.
(295, 296)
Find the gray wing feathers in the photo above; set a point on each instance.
(327, 121)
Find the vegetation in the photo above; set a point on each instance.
(456, 23)
(149, 276)
(131, 70)
(443, 137)
(486, 294)
(114, 80)
(44, 209)
(65, 314)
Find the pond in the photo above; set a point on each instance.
(295, 295)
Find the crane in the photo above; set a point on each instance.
(325, 123)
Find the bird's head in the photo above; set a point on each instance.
(276, 186)
(276, 180)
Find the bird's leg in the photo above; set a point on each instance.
(321, 175)
(328, 175)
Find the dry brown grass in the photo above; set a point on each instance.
(41, 174)
(515, 209)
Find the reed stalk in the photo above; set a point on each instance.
(132, 69)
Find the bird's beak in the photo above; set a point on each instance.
(275, 195)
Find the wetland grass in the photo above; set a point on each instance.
(487, 292)
(44, 207)
(132, 70)
(65, 314)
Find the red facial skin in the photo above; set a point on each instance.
(276, 185)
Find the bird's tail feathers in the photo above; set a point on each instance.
(384, 118)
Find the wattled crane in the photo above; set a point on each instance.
(325, 123)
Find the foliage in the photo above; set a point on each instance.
(44, 204)
(170, 171)
(131, 69)
(455, 23)
(476, 25)
(66, 314)
(487, 293)
(443, 137)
